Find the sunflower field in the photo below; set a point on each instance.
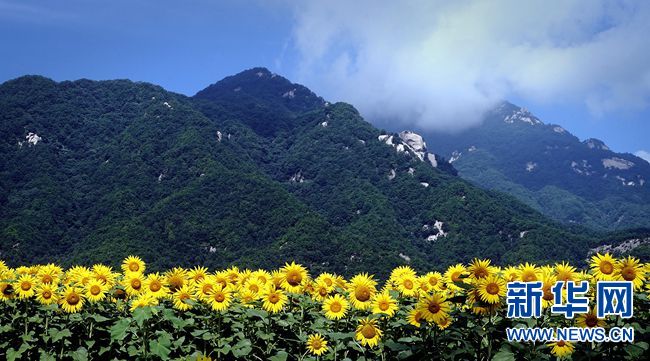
(99, 313)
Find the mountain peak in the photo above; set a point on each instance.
(594, 143)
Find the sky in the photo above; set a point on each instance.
(423, 63)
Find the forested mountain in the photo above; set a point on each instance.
(551, 170)
(254, 170)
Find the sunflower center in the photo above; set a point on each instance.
(46, 295)
(95, 290)
(184, 296)
(606, 267)
(25, 286)
(136, 284)
(408, 284)
(328, 282)
(481, 273)
(561, 343)
(455, 277)
(134, 267)
(175, 283)
(119, 294)
(362, 294)
(274, 298)
(155, 286)
(548, 295)
(383, 305)
(206, 288)
(628, 273)
(529, 277)
(73, 299)
(46, 279)
(254, 288)
(368, 331)
(322, 292)
(433, 281)
(492, 288)
(335, 307)
(7, 289)
(433, 307)
(219, 297)
(591, 321)
(294, 278)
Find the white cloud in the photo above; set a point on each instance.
(643, 155)
(441, 63)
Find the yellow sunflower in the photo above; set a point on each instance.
(233, 274)
(335, 307)
(79, 274)
(561, 349)
(321, 290)
(133, 283)
(144, 300)
(564, 272)
(480, 269)
(273, 299)
(361, 288)
(25, 286)
(433, 280)
(316, 344)
(203, 287)
(220, 298)
(327, 278)
(6, 291)
(154, 285)
(434, 307)
(548, 298)
(295, 277)
(182, 297)
(261, 276)
(407, 285)
(383, 303)
(246, 297)
(529, 273)
(254, 285)
(197, 274)
(176, 278)
(510, 274)
(367, 332)
(629, 269)
(72, 299)
(453, 275)
(46, 294)
(221, 278)
(104, 274)
(49, 274)
(443, 323)
(589, 320)
(491, 289)
(402, 271)
(133, 264)
(602, 266)
(95, 291)
(415, 317)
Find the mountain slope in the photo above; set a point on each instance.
(551, 170)
(94, 171)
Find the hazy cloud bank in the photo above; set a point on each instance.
(440, 64)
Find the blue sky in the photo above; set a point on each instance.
(437, 64)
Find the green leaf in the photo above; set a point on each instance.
(57, 335)
(504, 354)
(242, 348)
(162, 346)
(141, 314)
(119, 329)
(280, 356)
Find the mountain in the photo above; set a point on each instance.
(551, 170)
(254, 170)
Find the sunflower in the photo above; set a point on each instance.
(529, 273)
(565, 272)
(548, 298)
(361, 288)
(221, 278)
(181, 297)
(491, 289)
(561, 348)
(46, 294)
(176, 278)
(49, 274)
(415, 317)
(589, 320)
(95, 291)
(274, 299)
(628, 269)
(453, 275)
(253, 285)
(233, 274)
(144, 300)
(25, 286)
(383, 303)
(197, 274)
(321, 290)
(6, 291)
(367, 332)
(510, 274)
(432, 279)
(133, 283)
(79, 274)
(154, 285)
(261, 276)
(133, 264)
(244, 276)
(105, 274)
(434, 307)
(220, 298)
(443, 323)
(480, 269)
(247, 297)
(294, 277)
(400, 272)
(407, 285)
(204, 287)
(335, 307)
(327, 278)
(316, 344)
(72, 299)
